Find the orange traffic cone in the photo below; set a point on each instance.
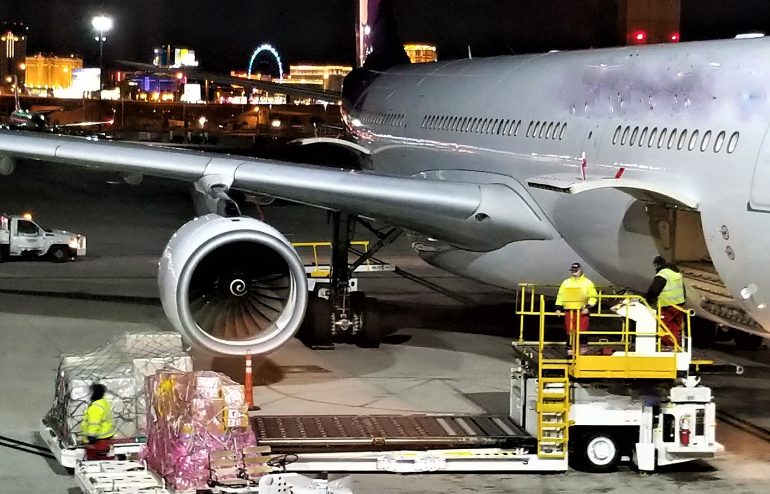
(248, 385)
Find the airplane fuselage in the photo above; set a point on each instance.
(686, 123)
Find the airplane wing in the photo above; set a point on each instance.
(473, 216)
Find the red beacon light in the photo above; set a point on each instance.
(674, 38)
(639, 36)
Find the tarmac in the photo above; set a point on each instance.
(439, 356)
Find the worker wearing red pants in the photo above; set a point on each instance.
(667, 290)
(577, 295)
(97, 427)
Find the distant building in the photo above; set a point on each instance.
(421, 52)
(649, 21)
(50, 71)
(168, 56)
(328, 77)
(13, 37)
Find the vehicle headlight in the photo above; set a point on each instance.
(74, 244)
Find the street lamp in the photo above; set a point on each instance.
(101, 24)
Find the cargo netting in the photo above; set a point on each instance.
(122, 366)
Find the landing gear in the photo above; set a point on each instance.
(335, 312)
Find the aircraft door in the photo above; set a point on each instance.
(759, 199)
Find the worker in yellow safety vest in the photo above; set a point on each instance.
(577, 295)
(667, 290)
(97, 427)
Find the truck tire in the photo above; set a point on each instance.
(58, 253)
(596, 451)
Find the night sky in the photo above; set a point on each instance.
(223, 34)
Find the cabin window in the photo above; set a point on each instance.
(633, 136)
(561, 132)
(682, 139)
(549, 132)
(693, 140)
(466, 124)
(555, 130)
(719, 141)
(616, 135)
(625, 136)
(732, 143)
(704, 144)
(534, 131)
(516, 130)
(671, 139)
(643, 137)
(662, 137)
(490, 125)
(653, 135)
(542, 131)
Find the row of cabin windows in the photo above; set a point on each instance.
(495, 126)
(673, 139)
(378, 118)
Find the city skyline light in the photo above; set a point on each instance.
(224, 35)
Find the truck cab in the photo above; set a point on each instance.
(20, 236)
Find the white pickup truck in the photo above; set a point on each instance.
(20, 236)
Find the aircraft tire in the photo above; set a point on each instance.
(370, 335)
(315, 331)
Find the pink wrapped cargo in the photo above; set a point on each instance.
(189, 415)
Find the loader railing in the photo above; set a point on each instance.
(646, 349)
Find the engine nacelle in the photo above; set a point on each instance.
(7, 164)
(232, 286)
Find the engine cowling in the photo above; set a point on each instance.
(7, 164)
(232, 286)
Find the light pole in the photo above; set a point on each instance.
(101, 24)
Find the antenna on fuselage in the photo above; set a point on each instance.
(470, 55)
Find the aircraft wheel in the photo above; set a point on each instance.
(370, 334)
(747, 341)
(316, 327)
(597, 452)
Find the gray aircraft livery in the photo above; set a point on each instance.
(504, 170)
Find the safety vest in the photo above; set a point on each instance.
(97, 421)
(575, 293)
(673, 292)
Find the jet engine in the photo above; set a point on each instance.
(232, 286)
(7, 164)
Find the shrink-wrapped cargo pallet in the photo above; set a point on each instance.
(122, 366)
(189, 416)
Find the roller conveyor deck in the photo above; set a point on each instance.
(319, 433)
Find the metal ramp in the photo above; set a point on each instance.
(324, 433)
